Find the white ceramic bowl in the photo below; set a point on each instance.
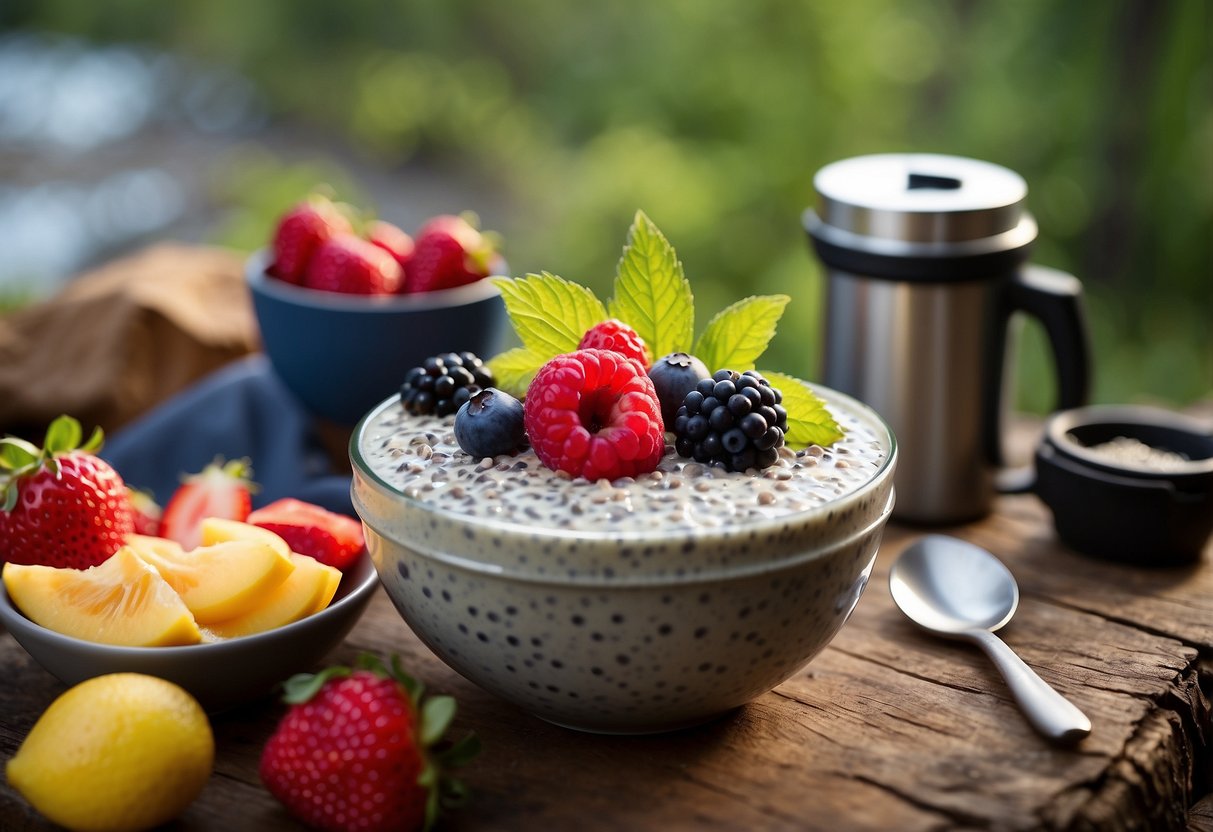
(628, 631)
(220, 674)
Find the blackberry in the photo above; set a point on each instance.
(443, 383)
(732, 420)
(674, 376)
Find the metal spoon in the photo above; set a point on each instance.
(958, 590)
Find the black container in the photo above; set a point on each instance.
(1128, 510)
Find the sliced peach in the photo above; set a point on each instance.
(219, 581)
(217, 530)
(308, 590)
(122, 601)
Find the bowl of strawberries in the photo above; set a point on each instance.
(346, 307)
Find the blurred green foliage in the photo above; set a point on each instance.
(713, 116)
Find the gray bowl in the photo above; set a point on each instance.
(341, 354)
(630, 631)
(220, 675)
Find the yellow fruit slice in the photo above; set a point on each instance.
(217, 530)
(308, 590)
(118, 752)
(220, 581)
(121, 601)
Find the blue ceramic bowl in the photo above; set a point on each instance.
(340, 355)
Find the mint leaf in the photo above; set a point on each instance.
(549, 313)
(809, 421)
(738, 335)
(514, 369)
(652, 294)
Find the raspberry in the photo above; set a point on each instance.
(443, 383)
(616, 336)
(594, 414)
(732, 420)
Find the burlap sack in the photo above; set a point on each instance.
(122, 338)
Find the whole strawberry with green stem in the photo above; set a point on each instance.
(300, 233)
(60, 505)
(360, 750)
(450, 251)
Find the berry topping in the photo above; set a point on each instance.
(59, 504)
(351, 265)
(674, 376)
(732, 420)
(444, 383)
(490, 423)
(616, 336)
(595, 414)
(301, 232)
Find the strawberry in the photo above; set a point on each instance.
(61, 505)
(348, 264)
(356, 751)
(145, 512)
(449, 252)
(391, 239)
(219, 490)
(308, 529)
(300, 232)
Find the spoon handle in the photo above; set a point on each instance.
(1050, 713)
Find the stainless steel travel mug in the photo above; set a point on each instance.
(926, 264)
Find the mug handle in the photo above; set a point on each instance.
(1054, 298)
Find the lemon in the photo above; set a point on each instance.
(115, 753)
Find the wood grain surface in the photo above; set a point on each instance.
(889, 728)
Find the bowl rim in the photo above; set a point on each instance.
(260, 283)
(1058, 433)
(362, 470)
(17, 623)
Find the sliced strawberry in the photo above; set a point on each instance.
(219, 490)
(145, 511)
(308, 529)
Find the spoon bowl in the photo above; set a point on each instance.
(958, 590)
(948, 586)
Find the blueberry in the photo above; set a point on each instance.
(674, 376)
(489, 423)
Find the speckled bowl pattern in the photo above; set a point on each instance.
(314, 340)
(628, 631)
(220, 675)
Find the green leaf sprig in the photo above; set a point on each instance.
(653, 296)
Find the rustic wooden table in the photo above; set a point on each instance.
(889, 728)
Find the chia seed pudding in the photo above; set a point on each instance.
(630, 606)
(418, 456)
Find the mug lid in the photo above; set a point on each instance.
(923, 198)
